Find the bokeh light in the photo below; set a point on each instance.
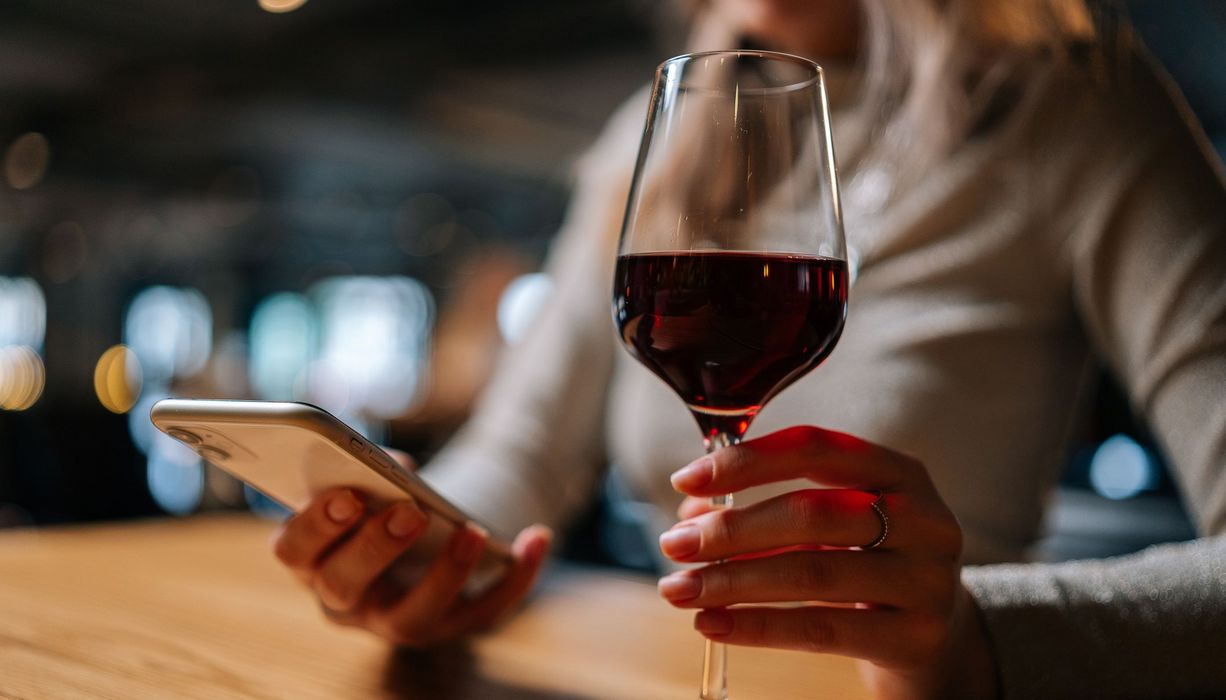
(1121, 468)
(23, 312)
(22, 377)
(280, 6)
(521, 302)
(283, 340)
(118, 378)
(175, 476)
(375, 334)
(171, 330)
(26, 160)
(23, 325)
(140, 428)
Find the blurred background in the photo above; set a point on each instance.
(347, 203)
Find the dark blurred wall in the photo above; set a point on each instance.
(223, 148)
(1189, 37)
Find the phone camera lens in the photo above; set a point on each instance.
(213, 454)
(184, 436)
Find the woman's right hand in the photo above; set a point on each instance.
(343, 552)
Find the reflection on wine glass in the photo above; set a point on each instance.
(731, 278)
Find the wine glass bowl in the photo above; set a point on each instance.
(729, 330)
(731, 278)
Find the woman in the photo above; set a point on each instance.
(1018, 199)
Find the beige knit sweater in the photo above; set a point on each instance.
(1091, 222)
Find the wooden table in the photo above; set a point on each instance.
(199, 609)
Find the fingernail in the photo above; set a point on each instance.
(713, 622)
(471, 544)
(681, 542)
(694, 475)
(406, 519)
(343, 507)
(538, 547)
(680, 587)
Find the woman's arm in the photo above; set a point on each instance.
(1148, 625)
(533, 448)
(1147, 259)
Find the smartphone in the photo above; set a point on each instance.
(293, 451)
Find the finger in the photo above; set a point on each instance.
(881, 636)
(412, 619)
(345, 619)
(528, 551)
(834, 577)
(342, 578)
(402, 458)
(823, 456)
(306, 536)
(693, 506)
(833, 517)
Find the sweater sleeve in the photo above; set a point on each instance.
(1147, 625)
(1147, 259)
(534, 446)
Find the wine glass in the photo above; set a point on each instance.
(731, 278)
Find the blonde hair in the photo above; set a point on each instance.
(931, 69)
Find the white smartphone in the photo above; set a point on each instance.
(292, 452)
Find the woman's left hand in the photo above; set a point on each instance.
(900, 607)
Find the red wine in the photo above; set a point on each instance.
(727, 331)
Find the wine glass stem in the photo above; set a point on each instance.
(715, 656)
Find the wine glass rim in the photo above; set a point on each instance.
(818, 72)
